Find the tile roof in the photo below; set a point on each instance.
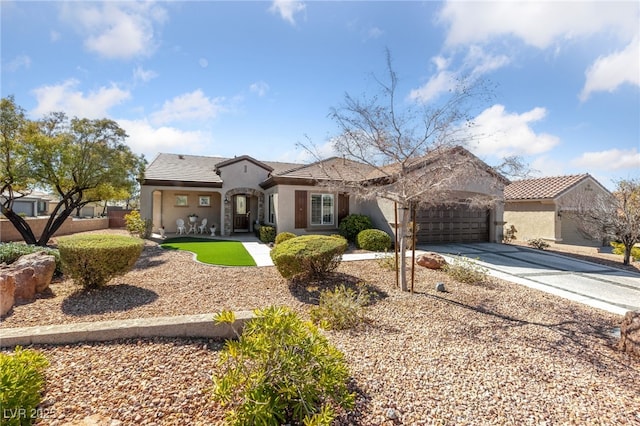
(196, 168)
(333, 168)
(542, 188)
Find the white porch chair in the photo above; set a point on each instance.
(203, 225)
(181, 228)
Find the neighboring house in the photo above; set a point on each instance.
(33, 205)
(535, 208)
(235, 194)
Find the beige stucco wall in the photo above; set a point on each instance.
(70, 226)
(243, 174)
(532, 219)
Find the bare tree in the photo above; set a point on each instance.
(614, 216)
(410, 154)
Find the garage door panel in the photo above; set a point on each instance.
(449, 225)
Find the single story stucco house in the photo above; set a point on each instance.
(535, 208)
(35, 204)
(236, 194)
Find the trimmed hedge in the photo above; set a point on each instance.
(373, 240)
(308, 255)
(21, 384)
(353, 224)
(267, 234)
(92, 260)
(284, 236)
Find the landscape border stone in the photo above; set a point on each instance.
(201, 325)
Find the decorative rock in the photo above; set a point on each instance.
(431, 260)
(630, 333)
(7, 293)
(440, 287)
(25, 280)
(392, 414)
(43, 264)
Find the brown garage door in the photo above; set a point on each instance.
(459, 224)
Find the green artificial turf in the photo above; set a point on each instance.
(215, 252)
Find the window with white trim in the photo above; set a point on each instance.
(322, 209)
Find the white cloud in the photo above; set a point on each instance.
(607, 73)
(140, 74)
(612, 159)
(501, 133)
(482, 62)
(116, 30)
(373, 33)
(476, 63)
(440, 83)
(22, 61)
(64, 97)
(148, 140)
(537, 23)
(260, 88)
(188, 107)
(287, 9)
(302, 155)
(552, 25)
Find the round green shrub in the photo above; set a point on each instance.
(22, 378)
(353, 224)
(284, 236)
(267, 234)
(281, 370)
(91, 260)
(308, 255)
(373, 240)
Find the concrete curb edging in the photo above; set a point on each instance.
(200, 325)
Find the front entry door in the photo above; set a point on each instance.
(241, 213)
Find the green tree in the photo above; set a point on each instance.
(81, 160)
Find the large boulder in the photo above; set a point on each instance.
(630, 333)
(26, 280)
(7, 293)
(43, 264)
(431, 260)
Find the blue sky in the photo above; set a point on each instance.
(257, 78)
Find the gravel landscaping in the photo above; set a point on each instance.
(490, 354)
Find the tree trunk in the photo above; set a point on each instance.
(404, 226)
(53, 224)
(21, 225)
(627, 253)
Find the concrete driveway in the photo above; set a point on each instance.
(593, 284)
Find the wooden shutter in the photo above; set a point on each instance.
(301, 209)
(343, 206)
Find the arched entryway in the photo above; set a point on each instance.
(243, 208)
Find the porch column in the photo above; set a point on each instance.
(156, 212)
(223, 205)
